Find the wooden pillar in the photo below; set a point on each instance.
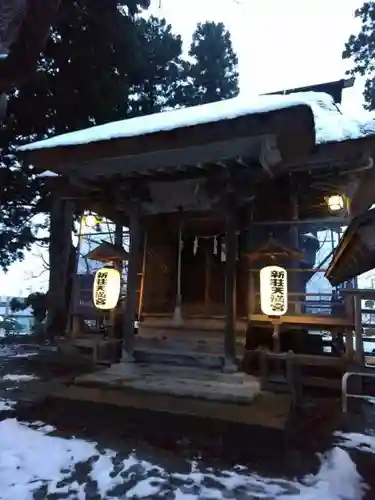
(230, 284)
(251, 292)
(60, 248)
(143, 277)
(294, 233)
(177, 313)
(251, 296)
(131, 302)
(73, 325)
(115, 331)
(207, 280)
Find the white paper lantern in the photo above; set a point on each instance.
(273, 291)
(106, 289)
(336, 203)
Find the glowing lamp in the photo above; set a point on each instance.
(273, 290)
(90, 220)
(106, 289)
(336, 203)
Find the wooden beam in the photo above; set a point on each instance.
(306, 320)
(364, 193)
(167, 160)
(338, 221)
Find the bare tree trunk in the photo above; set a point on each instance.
(62, 267)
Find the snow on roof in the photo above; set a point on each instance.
(331, 125)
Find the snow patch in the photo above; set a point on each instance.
(17, 377)
(6, 405)
(330, 123)
(337, 479)
(355, 440)
(31, 459)
(6, 351)
(26, 355)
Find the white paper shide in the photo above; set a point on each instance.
(273, 290)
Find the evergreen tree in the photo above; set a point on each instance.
(160, 68)
(360, 49)
(84, 73)
(37, 302)
(212, 75)
(18, 198)
(83, 79)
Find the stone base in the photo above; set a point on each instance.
(188, 391)
(229, 366)
(177, 319)
(127, 357)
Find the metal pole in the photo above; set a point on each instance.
(358, 330)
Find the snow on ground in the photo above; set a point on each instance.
(26, 355)
(35, 460)
(17, 377)
(356, 440)
(6, 405)
(31, 461)
(330, 123)
(6, 351)
(18, 351)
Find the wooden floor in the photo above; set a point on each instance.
(182, 390)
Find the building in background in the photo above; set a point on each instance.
(24, 319)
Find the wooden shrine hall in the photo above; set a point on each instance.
(211, 195)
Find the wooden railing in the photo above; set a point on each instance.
(316, 306)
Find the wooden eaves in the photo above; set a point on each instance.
(334, 89)
(275, 137)
(355, 253)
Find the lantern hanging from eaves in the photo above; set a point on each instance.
(106, 288)
(336, 203)
(273, 291)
